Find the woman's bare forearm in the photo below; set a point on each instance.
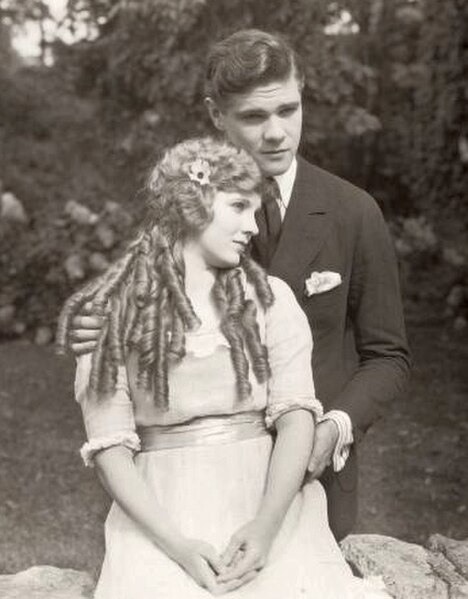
(289, 460)
(124, 484)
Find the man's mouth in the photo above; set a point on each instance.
(274, 152)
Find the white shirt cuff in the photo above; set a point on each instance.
(345, 437)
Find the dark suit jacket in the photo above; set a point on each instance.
(360, 358)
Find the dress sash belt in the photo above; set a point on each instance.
(206, 430)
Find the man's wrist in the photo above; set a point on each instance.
(342, 422)
(332, 426)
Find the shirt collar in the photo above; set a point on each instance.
(286, 182)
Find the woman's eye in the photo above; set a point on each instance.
(239, 206)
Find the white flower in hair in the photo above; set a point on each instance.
(199, 171)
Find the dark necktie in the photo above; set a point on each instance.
(269, 224)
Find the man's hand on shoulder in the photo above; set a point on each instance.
(326, 438)
(85, 330)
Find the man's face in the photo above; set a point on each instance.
(266, 122)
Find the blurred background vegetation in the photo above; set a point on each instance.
(386, 106)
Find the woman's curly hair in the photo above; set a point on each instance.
(143, 293)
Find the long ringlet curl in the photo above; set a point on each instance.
(258, 278)
(229, 303)
(142, 295)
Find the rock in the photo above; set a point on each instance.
(446, 571)
(46, 582)
(409, 571)
(12, 209)
(455, 551)
(404, 567)
(44, 336)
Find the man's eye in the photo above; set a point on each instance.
(290, 110)
(252, 118)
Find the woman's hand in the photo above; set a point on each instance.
(249, 547)
(247, 552)
(201, 561)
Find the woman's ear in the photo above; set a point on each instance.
(215, 113)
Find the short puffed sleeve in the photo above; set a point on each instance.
(109, 418)
(289, 343)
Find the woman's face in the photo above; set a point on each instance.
(222, 243)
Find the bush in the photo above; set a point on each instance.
(41, 266)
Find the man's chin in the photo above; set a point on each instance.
(275, 165)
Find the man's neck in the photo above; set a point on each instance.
(286, 183)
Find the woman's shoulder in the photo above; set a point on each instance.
(285, 306)
(279, 287)
(282, 293)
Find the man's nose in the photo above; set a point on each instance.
(273, 129)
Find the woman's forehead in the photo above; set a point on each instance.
(250, 197)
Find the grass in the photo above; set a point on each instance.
(413, 462)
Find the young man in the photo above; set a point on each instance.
(328, 241)
(360, 359)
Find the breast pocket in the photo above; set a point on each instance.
(327, 308)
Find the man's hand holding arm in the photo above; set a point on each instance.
(333, 439)
(86, 327)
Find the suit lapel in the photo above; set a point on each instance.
(304, 227)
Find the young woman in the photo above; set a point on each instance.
(199, 403)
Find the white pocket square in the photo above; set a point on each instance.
(319, 282)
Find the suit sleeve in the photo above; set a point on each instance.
(376, 311)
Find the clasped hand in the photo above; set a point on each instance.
(244, 557)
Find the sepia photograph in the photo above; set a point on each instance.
(233, 299)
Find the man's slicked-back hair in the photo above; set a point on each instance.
(246, 59)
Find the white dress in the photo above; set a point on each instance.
(210, 478)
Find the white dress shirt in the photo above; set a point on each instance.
(341, 419)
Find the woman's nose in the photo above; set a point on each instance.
(250, 223)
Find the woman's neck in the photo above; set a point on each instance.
(199, 281)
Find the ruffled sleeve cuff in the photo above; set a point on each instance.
(274, 411)
(93, 446)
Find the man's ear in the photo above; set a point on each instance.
(215, 113)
